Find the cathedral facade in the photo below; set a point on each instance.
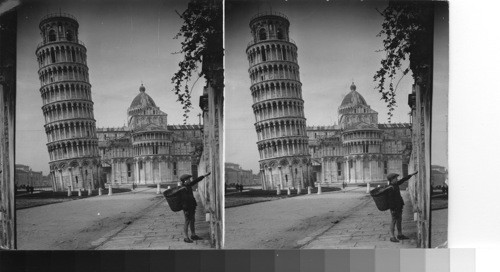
(148, 150)
(358, 149)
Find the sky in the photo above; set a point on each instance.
(128, 42)
(337, 44)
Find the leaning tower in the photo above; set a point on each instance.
(67, 104)
(277, 103)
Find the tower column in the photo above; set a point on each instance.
(61, 179)
(151, 167)
(159, 170)
(137, 172)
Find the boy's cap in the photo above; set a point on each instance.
(185, 177)
(391, 176)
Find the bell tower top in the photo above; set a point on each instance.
(59, 27)
(269, 26)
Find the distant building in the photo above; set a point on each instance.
(439, 176)
(24, 176)
(234, 174)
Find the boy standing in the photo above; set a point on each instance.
(189, 205)
(397, 209)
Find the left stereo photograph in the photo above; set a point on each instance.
(115, 113)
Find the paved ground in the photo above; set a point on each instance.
(99, 222)
(282, 223)
(159, 228)
(366, 227)
(439, 228)
(331, 220)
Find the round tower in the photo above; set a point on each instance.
(151, 141)
(361, 139)
(67, 104)
(277, 103)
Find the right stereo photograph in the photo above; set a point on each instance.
(336, 124)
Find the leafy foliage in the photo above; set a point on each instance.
(202, 25)
(407, 31)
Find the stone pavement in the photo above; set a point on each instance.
(366, 227)
(439, 228)
(158, 228)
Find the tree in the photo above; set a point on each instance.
(202, 33)
(408, 35)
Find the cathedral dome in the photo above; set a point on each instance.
(353, 99)
(142, 100)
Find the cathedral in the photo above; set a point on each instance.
(358, 149)
(148, 150)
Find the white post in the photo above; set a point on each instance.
(288, 191)
(278, 190)
(299, 189)
(69, 191)
(79, 192)
(110, 191)
(308, 190)
(100, 191)
(158, 191)
(89, 192)
(319, 187)
(368, 187)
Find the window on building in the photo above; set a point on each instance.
(339, 169)
(262, 34)
(365, 148)
(385, 167)
(129, 170)
(174, 166)
(52, 55)
(52, 35)
(69, 35)
(286, 178)
(350, 164)
(279, 33)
